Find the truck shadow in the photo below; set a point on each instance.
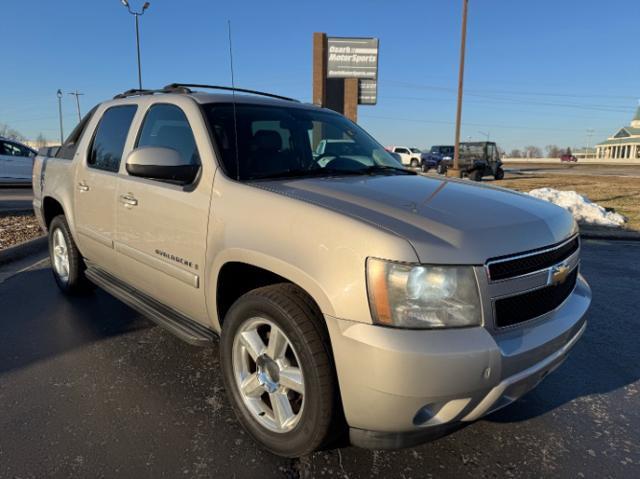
(37, 321)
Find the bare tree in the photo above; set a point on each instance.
(8, 132)
(515, 154)
(532, 151)
(553, 151)
(41, 141)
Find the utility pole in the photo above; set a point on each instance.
(136, 15)
(487, 135)
(455, 171)
(59, 95)
(590, 132)
(77, 94)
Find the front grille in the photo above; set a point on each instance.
(523, 307)
(530, 262)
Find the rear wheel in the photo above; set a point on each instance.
(476, 175)
(278, 371)
(441, 169)
(414, 163)
(66, 261)
(425, 167)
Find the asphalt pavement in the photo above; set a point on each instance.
(89, 388)
(15, 198)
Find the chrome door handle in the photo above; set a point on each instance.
(82, 186)
(128, 200)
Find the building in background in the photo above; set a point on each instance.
(624, 145)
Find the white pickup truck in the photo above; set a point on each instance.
(350, 294)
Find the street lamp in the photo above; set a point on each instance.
(59, 95)
(136, 15)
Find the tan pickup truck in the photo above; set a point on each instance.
(351, 296)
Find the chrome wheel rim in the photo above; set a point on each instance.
(268, 375)
(60, 253)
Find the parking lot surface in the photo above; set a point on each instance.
(89, 388)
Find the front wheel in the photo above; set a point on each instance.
(499, 174)
(476, 175)
(414, 163)
(66, 261)
(278, 371)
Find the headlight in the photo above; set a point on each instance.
(422, 296)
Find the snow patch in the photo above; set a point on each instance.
(582, 209)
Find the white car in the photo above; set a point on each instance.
(16, 162)
(409, 156)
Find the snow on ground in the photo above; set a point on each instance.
(582, 209)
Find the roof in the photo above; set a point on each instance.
(620, 141)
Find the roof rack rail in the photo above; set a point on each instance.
(174, 87)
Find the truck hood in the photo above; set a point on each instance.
(446, 221)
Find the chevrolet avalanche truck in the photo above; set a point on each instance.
(350, 295)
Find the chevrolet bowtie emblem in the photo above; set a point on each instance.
(558, 274)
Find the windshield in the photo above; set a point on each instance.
(415, 150)
(275, 141)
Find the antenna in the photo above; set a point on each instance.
(233, 97)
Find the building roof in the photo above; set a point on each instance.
(620, 141)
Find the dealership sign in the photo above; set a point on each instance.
(352, 57)
(355, 58)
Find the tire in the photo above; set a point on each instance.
(425, 168)
(476, 175)
(499, 174)
(414, 163)
(66, 261)
(311, 410)
(441, 169)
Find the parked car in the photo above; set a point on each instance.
(410, 156)
(478, 159)
(433, 158)
(16, 161)
(347, 296)
(567, 157)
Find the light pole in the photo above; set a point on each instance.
(136, 15)
(59, 95)
(455, 171)
(77, 95)
(590, 132)
(487, 135)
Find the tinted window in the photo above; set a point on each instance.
(278, 141)
(402, 150)
(167, 126)
(69, 147)
(108, 143)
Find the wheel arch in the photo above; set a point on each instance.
(249, 270)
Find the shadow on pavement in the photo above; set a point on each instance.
(39, 321)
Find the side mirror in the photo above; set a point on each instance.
(163, 164)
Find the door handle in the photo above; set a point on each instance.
(128, 200)
(82, 186)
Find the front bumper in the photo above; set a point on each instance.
(401, 387)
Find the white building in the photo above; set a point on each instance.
(624, 145)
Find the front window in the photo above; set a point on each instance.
(281, 142)
(415, 150)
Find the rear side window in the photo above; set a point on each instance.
(69, 147)
(110, 137)
(166, 126)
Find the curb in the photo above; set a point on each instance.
(16, 211)
(610, 234)
(22, 250)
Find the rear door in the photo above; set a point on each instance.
(96, 182)
(162, 227)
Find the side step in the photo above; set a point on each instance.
(186, 329)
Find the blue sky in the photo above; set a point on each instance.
(538, 72)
